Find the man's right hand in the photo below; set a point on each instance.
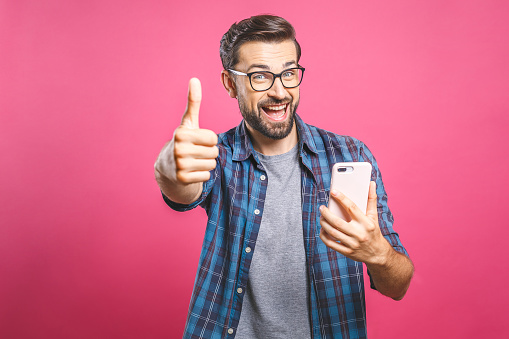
(184, 163)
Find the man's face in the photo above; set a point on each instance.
(271, 112)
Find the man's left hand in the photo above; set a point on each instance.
(359, 239)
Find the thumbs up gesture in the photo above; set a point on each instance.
(184, 163)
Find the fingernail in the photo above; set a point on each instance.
(334, 192)
(322, 207)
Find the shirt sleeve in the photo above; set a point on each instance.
(385, 218)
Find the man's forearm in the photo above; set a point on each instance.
(176, 192)
(392, 277)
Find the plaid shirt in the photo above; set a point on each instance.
(234, 200)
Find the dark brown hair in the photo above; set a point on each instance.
(265, 28)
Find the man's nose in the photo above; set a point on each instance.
(277, 90)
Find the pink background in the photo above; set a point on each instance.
(91, 90)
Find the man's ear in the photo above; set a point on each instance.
(228, 83)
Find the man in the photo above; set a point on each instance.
(275, 262)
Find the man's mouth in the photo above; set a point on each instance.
(276, 112)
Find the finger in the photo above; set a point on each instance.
(198, 151)
(190, 118)
(191, 165)
(206, 137)
(203, 137)
(372, 210)
(337, 235)
(335, 221)
(192, 177)
(351, 208)
(331, 243)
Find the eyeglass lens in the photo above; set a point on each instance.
(262, 81)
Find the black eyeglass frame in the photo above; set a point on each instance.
(273, 79)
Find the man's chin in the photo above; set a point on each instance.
(275, 130)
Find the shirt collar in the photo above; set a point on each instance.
(243, 147)
(305, 136)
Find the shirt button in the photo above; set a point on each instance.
(256, 211)
(230, 331)
(239, 290)
(248, 249)
(263, 177)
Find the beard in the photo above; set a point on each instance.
(272, 130)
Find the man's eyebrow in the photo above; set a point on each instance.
(258, 66)
(289, 63)
(262, 66)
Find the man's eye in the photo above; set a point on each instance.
(288, 74)
(259, 76)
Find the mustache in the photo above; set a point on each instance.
(275, 102)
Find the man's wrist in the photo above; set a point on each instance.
(382, 261)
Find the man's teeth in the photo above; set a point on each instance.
(276, 108)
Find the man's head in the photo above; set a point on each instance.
(264, 28)
(263, 43)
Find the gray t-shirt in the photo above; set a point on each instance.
(276, 303)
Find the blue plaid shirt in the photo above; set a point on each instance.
(234, 200)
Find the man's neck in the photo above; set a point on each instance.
(268, 146)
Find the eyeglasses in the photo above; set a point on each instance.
(263, 80)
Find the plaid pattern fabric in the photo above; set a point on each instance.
(234, 200)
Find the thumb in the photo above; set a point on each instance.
(190, 118)
(372, 210)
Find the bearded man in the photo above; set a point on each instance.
(275, 262)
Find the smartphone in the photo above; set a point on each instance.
(352, 179)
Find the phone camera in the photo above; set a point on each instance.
(345, 169)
